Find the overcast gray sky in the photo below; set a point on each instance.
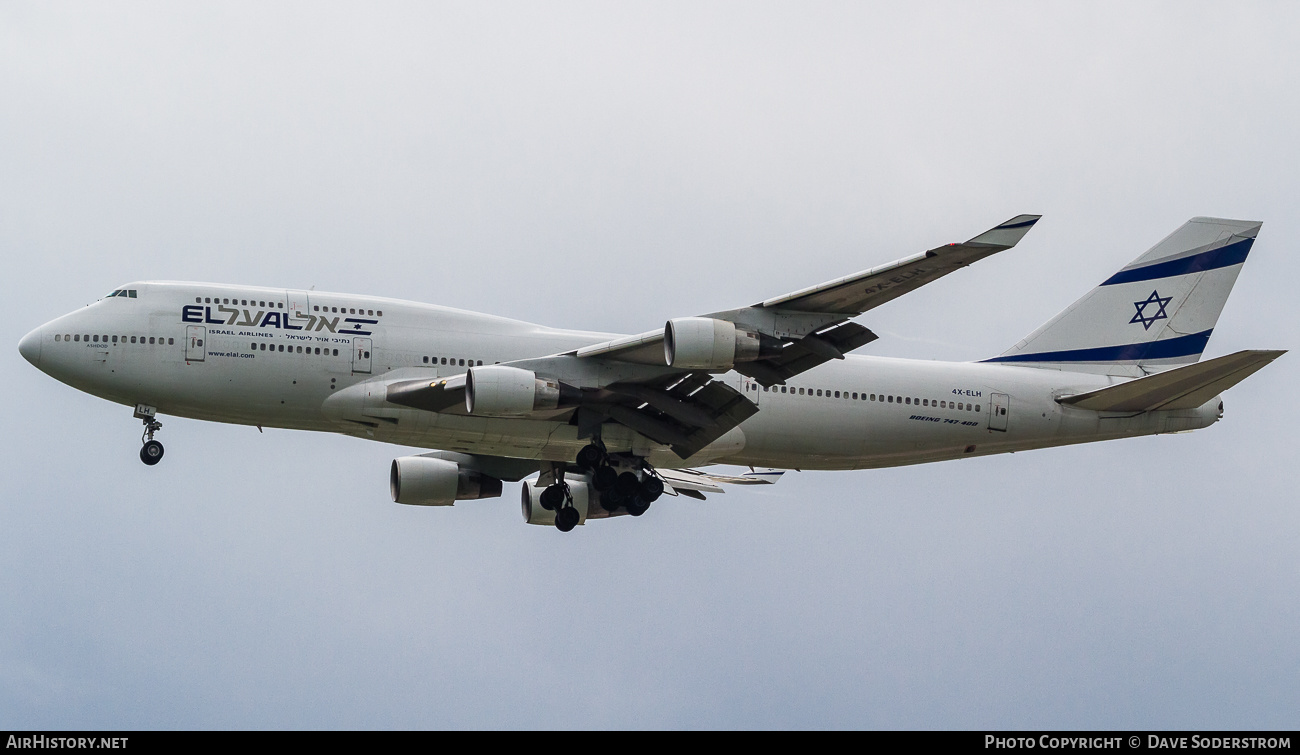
(607, 166)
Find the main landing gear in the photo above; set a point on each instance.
(558, 498)
(633, 489)
(152, 451)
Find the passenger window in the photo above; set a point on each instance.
(336, 352)
(114, 339)
(380, 313)
(977, 407)
(462, 363)
(198, 300)
(171, 341)
(207, 300)
(316, 308)
(480, 363)
(426, 360)
(58, 337)
(444, 360)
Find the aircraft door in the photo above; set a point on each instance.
(751, 389)
(361, 356)
(1000, 406)
(195, 349)
(299, 304)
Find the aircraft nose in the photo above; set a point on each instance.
(30, 347)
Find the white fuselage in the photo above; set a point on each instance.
(235, 354)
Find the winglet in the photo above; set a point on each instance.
(1008, 234)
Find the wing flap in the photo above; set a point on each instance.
(687, 481)
(807, 353)
(1182, 388)
(685, 414)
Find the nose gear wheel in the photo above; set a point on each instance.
(151, 452)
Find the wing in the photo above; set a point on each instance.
(854, 294)
(643, 383)
(811, 325)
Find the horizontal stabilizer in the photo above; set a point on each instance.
(1182, 388)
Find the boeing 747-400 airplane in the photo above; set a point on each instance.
(608, 423)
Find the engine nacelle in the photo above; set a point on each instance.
(500, 391)
(702, 343)
(424, 481)
(585, 499)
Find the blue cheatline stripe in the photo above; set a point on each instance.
(1232, 254)
(1181, 346)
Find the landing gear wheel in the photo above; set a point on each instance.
(651, 489)
(151, 453)
(566, 519)
(603, 478)
(627, 485)
(552, 497)
(637, 506)
(590, 457)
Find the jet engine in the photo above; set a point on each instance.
(500, 391)
(702, 343)
(425, 481)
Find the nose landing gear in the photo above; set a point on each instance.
(152, 451)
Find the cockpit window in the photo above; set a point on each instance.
(129, 293)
